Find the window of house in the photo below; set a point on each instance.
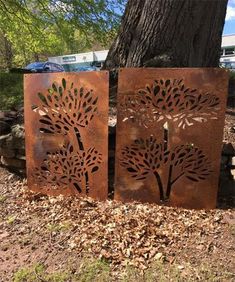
(229, 51)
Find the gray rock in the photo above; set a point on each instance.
(18, 131)
(6, 152)
(5, 141)
(228, 150)
(4, 127)
(13, 163)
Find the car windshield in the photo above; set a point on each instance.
(36, 65)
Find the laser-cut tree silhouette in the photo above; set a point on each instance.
(147, 156)
(169, 100)
(64, 110)
(66, 168)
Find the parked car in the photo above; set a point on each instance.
(44, 67)
(228, 65)
(85, 68)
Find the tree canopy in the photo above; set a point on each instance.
(32, 28)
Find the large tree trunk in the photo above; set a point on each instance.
(169, 33)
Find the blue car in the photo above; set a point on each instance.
(85, 68)
(38, 67)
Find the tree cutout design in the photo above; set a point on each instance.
(169, 100)
(67, 168)
(147, 157)
(64, 110)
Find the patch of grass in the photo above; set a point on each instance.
(131, 274)
(37, 273)
(160, 271)
(165, 272)
(205, 273)
(57, 227)
(2, 198)
(58, 277)
(29, 274)
(94, 271)
(11, 219)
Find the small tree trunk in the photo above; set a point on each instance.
(8, 52)
(74, 134)
(169, 33)
(160, 186)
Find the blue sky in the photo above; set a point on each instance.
(229, 27)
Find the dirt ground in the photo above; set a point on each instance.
(61, 234)
(229, 128)
(71, 239)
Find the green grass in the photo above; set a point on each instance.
(98, 270)
(2, 198)
(37, 273)
(57, 227)
(94, 271)
(11, 90)
(11, 219)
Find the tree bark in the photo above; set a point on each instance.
(6, 52)
(169, 33)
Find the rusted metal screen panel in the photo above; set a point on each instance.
(169, 135)
(66, 117)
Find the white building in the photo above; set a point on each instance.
(228, 51)
(71, 62)
(96, 58)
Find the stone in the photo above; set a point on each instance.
(227, 187)
(13, 163)
(18, 131)
(20, 157)
(2, 115)
(5, 140)
(7, 152)
(228, 149)
(233, 173)
(11, 114)
(18, 137)
(5, 128)
(224, 161)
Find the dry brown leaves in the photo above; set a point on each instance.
(133, 234)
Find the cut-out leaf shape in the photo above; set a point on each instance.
(169, 99)
(62, 109)
(147, 156)
(67, 168)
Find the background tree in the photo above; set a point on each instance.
(182, 33)
(52, 27)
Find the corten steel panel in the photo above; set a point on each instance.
(169, 135)
(66, 124)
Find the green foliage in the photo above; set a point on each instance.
(35, 29)
(232, 75)
(29, 274)
(2, 198)
(94, 271)
(100, 271)
(11, 90)
(37, 273)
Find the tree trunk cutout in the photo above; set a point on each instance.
(64, 111)
(146, 156)
(165, 102)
